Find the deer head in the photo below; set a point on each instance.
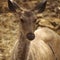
(27, 17)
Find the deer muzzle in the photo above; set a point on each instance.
(30, 36)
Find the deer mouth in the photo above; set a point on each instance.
(30, 36)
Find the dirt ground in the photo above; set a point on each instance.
(9, 24)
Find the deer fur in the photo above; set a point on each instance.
(51, 38)
(39, 50)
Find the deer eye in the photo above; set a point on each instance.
(34, 20)
(22, 20)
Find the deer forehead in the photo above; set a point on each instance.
(28, 14)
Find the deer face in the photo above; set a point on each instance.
(27, 18)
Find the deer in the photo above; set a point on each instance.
(27, 47)
(51, 38)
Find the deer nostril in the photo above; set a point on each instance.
(30, 36)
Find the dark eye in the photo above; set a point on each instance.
(22, 20)
(34, 20)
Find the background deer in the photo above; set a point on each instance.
(51, 38)
(27, 48)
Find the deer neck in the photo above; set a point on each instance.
(23, 48)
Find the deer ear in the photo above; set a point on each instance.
(12, 5)
(40, 7)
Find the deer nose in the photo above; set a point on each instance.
(30, 36)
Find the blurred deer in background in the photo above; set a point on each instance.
(51, 38)
(27, 47)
